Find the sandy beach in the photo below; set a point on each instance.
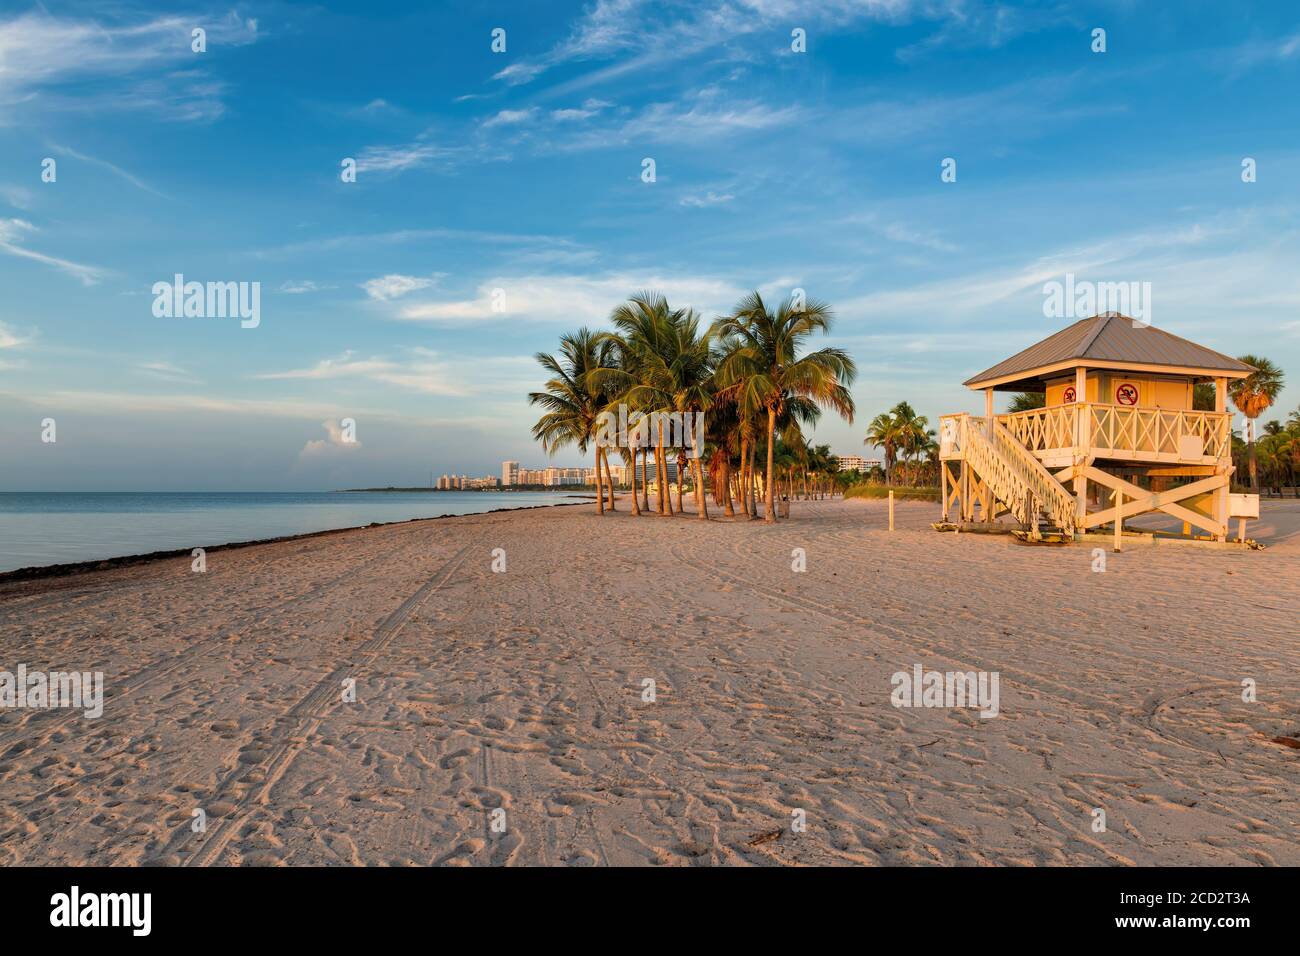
(523, 690)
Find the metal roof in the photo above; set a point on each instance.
(1112, 338)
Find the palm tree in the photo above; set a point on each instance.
(763, 358)
(1253, 395)
(723, 439)
(912, 430)
(1026, 402)
(572, 398)
(670, 371)
(883, 433)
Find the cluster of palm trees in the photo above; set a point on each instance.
(911, 453)
(747, 374)
(1278, 454)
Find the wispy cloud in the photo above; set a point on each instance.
(638, 35)
(510, 117)
(393, 159)
(11, 233)
(9, 339)
(709, 198)
(42, 53)
(105, 164)
(395, 286)
(701, 117)
(398, 237)
(424, 373)
(167, 372)
(302, 286)
(572, 299)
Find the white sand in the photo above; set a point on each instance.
(523, 691)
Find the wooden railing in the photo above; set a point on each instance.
(1013, 474)
(1042, 429)
(1160, 432)
(950, 436)
(1122, 431)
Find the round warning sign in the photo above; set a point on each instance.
(1069, 394)
(1126, 393)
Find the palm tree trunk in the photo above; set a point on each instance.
(770, 491)
(661, 470)
(636, 504)
(744, 479)
(645, 478)
(681, 479)
(1250, 458)
(702, 502)
(740, 480)
(600, 488)
(728, 509)
(750, 491)
(609, 476)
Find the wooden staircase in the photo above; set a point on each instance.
(1016, 479)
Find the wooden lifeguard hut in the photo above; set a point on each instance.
(1118, 413)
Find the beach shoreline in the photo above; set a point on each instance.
(38, 572)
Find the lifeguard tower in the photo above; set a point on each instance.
(1118, 411)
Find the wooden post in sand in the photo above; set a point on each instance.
(891, 509)
(1119, 521)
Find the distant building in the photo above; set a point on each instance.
(466, 483)
(858, 463)
(509, 473)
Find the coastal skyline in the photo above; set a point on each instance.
(515, 179)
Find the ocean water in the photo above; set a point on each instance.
(41, 528)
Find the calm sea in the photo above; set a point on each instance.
(39, 528)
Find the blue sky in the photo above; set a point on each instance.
(521, 171)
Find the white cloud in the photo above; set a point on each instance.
(17, 196)
(117, 170)
(167, 372)
(10, 232)
(510, 117)
(710, 198)
(573, 299)
(389, 159)
(520, 72)
(302, 286)
(699, 120)
(640, 35)
(395, 286)
(424, 373)
(9, 339)
(41, 52)
(334, 439)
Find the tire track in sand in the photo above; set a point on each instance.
(40, 725)
(298, 725)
